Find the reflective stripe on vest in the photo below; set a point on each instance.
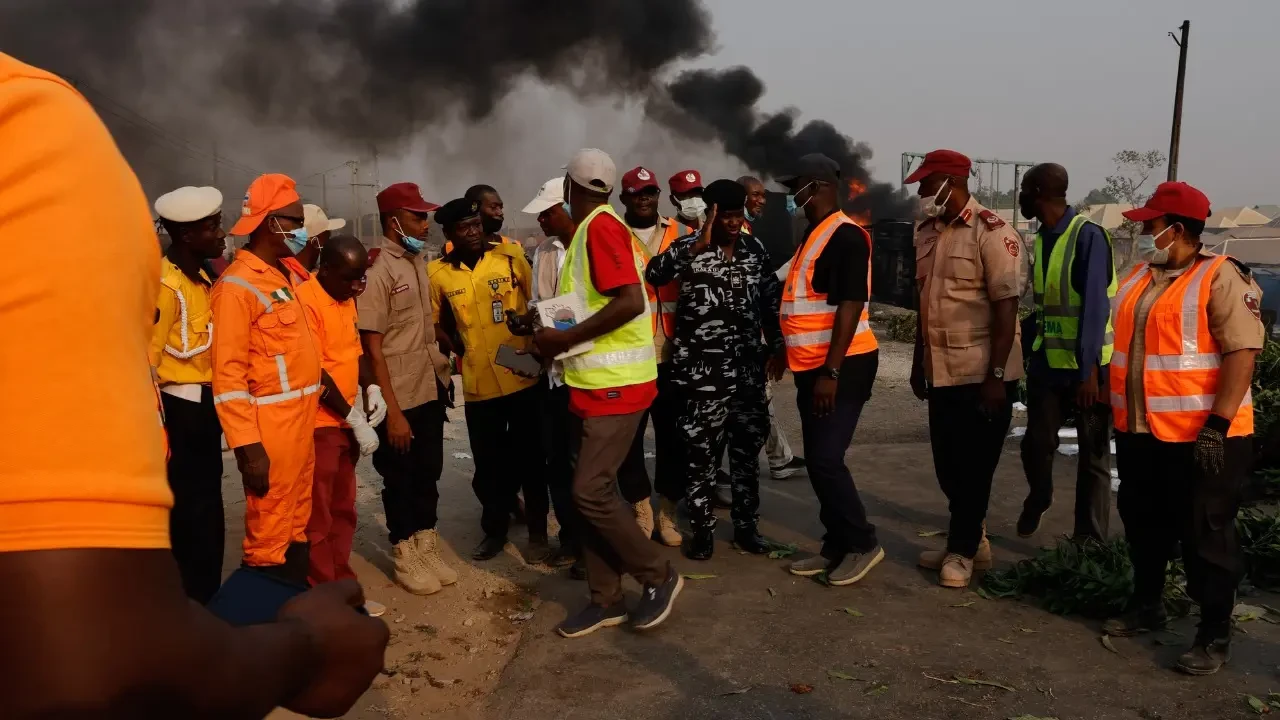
(1058, 305)
(806, 318)
(624, 356)
(1180, 370)
(663, 300)
(186, 352)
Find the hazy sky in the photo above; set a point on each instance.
(1068, 82)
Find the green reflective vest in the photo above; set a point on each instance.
(619, 358)
(1058, 304)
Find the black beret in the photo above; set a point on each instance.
(455, 211)
(726, 195)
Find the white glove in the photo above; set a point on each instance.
(377, 406)
(365, 436)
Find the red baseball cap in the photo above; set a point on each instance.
(404, 196)
(265, 194)
(685, 180)
(638, 179)
(1172, 198)
(948, 162)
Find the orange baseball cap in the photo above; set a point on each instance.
(266, 193)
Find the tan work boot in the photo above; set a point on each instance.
(933, 559)
(411, 573)
(428, 542)
(668, 533)
(956, 571)
(644, 516)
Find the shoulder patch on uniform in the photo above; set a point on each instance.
(1244, 269)
(991, 220)
(399, 289)
(1012, 246)
(1254, 303)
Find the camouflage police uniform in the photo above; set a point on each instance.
(726, 328)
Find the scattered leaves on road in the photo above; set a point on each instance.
(1027, 630)
(801, 688)
(739, 691)
(1106, 643)
(698, 576)
(930, 533)
(1257, 705)
(773, 593)
(958, 680)
(837, 675)
(1245, 613)
(963, 604)
(781, 550)
(1006, 641)
(982, 593)
(850, 611)
(877, 690)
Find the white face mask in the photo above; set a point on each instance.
(932, 207)
(693, 208)
(1151, 254)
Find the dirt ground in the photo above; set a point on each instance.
(755, 642)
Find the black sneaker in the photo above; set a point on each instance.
(489, 548)
(656, 601)
(592, 618)
(563, 557)
(1029, 519)
(750, 540)
(1206, 656)
(539, 550)
(578, 571)
(782, 473)
(1135, 622)
(700, 546)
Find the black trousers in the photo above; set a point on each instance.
(509, 457)
(196, 525)
(966, 443)
(557, 439)
(1165, 499)
(410, 497)
(826, 440)
(1047, 406)
(670, 478)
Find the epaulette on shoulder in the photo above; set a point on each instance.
(991, 220)
(1244, 269)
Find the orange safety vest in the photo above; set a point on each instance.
(1180, 370)
(662, 300)
(807, 319)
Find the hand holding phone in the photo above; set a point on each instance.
(518, 362)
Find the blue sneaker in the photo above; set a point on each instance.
(592, 618)
(656, 601)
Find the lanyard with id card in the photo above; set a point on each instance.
(495, 307)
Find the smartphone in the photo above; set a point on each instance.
(518, 363)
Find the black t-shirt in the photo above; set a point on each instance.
(841, 269)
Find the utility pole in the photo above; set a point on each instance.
(1176, 136)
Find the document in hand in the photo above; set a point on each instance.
(562, 313)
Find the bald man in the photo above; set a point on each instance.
(1074, 278)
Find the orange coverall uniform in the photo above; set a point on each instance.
(266, 378)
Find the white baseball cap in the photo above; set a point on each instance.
(592, 168)
(189, 204)
(316, 222)
(549, 195)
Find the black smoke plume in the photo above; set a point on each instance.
(366, 72)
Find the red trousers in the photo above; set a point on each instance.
(333, 505)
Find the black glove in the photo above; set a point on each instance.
(1209, 445)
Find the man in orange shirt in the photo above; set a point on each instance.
(102, 627)
(266, 375)
(343, 431)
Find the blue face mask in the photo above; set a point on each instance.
(412, 244)
(791, 204)
(750, 218)
(567, 210)
(295, 239)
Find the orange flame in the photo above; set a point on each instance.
(855, 189)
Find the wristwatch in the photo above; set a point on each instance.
(833, 373)
(997, 373)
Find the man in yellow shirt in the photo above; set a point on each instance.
(180, 359)
(472, 288)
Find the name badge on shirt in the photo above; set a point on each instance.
(498, 317)
(735, 279)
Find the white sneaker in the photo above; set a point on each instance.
(373, 608)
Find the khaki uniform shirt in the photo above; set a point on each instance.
(962, 267)
(1235, 322)
(397, 304)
